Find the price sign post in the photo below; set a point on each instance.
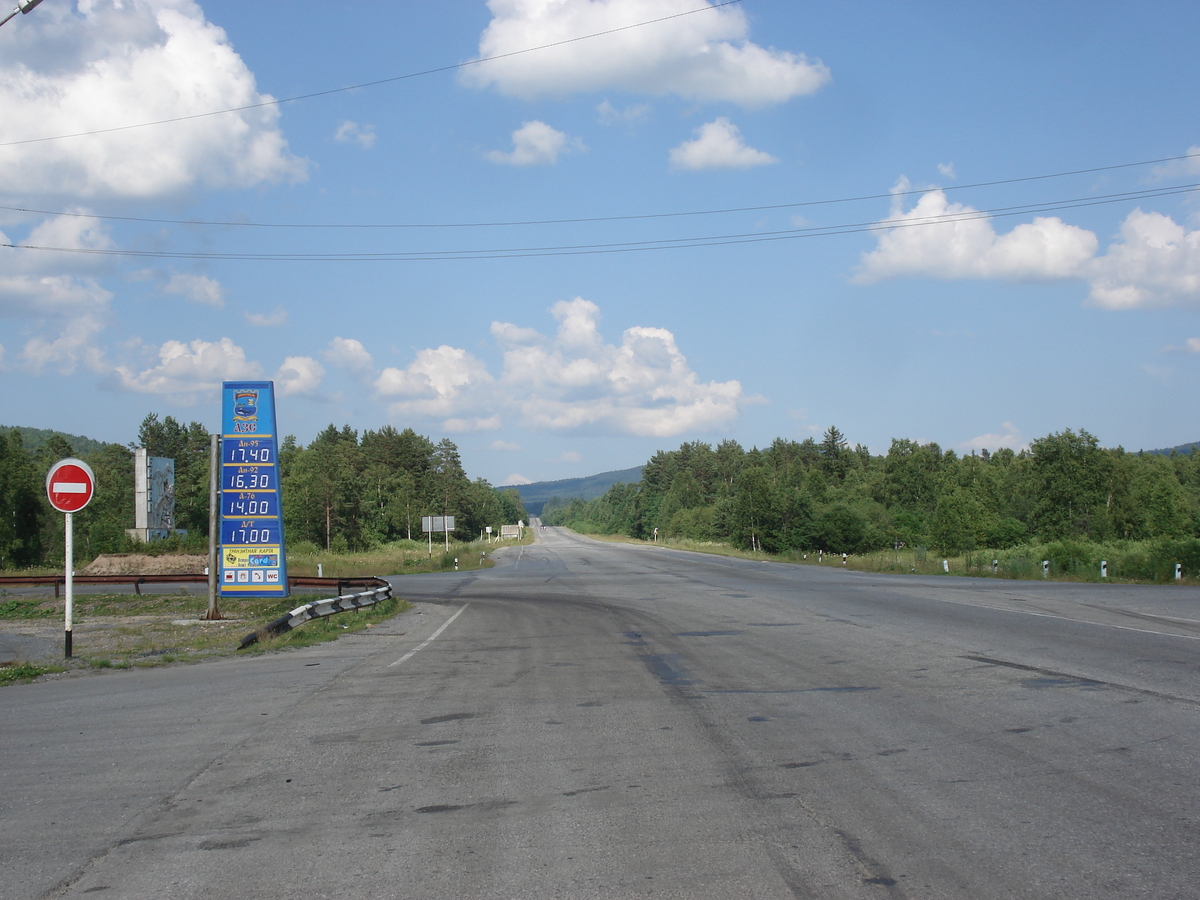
(253, 563)
(70, 484)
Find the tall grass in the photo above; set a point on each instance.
(1150, 561)
(398, 558)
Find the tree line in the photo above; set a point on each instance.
(341, 492)
(812, 496)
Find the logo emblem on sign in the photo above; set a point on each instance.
(245, 406)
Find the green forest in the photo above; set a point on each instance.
(1066, 499)
(342, 492)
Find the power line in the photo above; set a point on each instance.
(376, 83)
(595, 219)
(632, 246)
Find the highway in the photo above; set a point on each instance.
(595, 720)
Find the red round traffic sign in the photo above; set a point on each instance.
(70, 485)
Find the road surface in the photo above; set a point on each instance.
(609, 721)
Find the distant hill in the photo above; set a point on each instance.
(535, 495)
(1182, 448)
(32, 439)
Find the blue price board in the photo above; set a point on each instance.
(253, 562)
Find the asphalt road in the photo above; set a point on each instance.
(595, 720)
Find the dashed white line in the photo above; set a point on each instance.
(429, 640)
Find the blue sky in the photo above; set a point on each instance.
(746, 221)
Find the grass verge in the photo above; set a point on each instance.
(1066, 561)
(121, 631)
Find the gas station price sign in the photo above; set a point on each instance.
(252, 563)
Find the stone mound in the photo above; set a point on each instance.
(144, 564)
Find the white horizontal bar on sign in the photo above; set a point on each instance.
(69, 487)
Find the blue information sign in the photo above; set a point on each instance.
(252, 550)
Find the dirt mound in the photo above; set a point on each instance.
(142, 564)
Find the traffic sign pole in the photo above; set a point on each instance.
(70, 581)
(70, 484)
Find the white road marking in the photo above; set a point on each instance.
(1046, 615)
(429, 640)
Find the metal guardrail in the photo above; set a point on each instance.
(315, 610)
(340, 584)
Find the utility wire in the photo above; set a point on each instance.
(594, 219)
(376, 83)
(630, 246)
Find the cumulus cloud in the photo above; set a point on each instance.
(1009, 436)
(352, 132)
(186, 369)
(1156, 262)
(718, 145)
(703, 56)
(535, 144)
(571, 381)
(350, 355)
(940, 239)
(505, 446)
(72, 71)
(1153, 262)
(1190, 165)
(515, 479)
(58, 301)
(64, 348)
(299, 376)
(442, 383)
(576, 381)
(197, 288)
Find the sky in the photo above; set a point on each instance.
(567, 234)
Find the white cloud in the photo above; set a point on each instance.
(571, 456)
(65, 347)
(718, 145)
(610, 115)
(72, 71)
(267, 320)
(440, 383)
(61, 305)
(1188, 166)
(704, 56)
(67, 232)
(505, 446)
(940, 239)
(514, 479)
(299, 376)
(535, 144)
(1156, 262)
(1010, 436)
(188, 368)
(349, 354)
(1192, 345)
(946, 170)
(363, 135)
(197, 288)
(577, 382)
(572, 381)
(51, 297)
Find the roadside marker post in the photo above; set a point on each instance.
(70, 484)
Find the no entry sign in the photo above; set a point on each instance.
(70, 485)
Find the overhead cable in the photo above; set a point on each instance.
(906, 221)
